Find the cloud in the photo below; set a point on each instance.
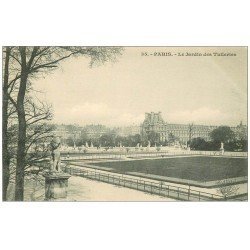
(203, 115)
(90, 109)
(126, 119)
(101, 113)
(96, 113)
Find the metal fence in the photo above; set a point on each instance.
(121, 156)
(157, 188)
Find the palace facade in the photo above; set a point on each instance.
(154, 122)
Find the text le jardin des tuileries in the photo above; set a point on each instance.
(182, 54)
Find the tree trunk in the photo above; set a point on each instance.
(6, 156)
(19, 187)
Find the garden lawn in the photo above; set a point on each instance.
(198, 168)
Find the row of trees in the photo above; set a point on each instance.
(107, 140)
(220, 135)
(25, 129)
(111, 140)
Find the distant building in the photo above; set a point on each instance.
(67, 131)
(154, 122)
(75, 132)
(128, 130)
(240, 131)
(95, 131)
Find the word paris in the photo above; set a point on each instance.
(186, 54)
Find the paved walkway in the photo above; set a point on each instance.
(82, 189)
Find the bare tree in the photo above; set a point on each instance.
(6, 158)
(30, 63)
(10, 77)
(38, 135)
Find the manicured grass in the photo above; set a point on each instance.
(191, 168)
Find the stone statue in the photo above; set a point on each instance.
(55, 161)
(222, 148)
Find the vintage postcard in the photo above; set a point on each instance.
(124, 124)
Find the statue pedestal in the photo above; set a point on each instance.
(56, 185)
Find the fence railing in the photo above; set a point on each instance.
(151, 187)
(121, 156)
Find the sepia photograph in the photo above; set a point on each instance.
(124, 123)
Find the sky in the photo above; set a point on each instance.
(209, 90)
